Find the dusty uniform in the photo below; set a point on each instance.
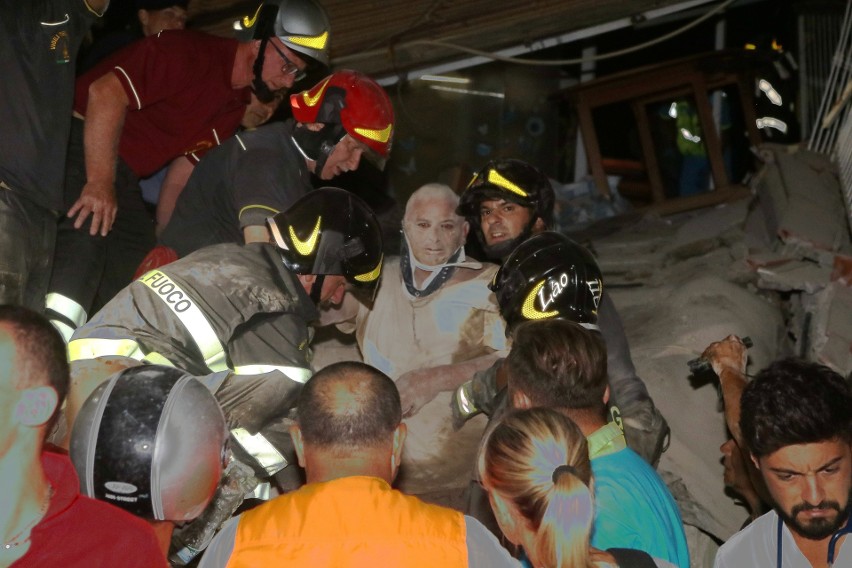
(250, 177)
(401, 333)
(232, 310)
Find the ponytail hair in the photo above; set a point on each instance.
(538, 461)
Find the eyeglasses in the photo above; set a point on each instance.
(289, 68)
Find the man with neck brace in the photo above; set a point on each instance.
(433, 322)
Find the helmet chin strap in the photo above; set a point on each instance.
(261, 90)
(501, 250)
(316, 288)
(317, 145)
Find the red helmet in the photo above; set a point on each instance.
(354, 101)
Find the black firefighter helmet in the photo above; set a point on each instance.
(512, 180)
(549, 276)
(330, 231)
(151, 440)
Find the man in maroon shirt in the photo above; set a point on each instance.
(175, 94)
(44, 521)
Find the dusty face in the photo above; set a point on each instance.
(810, 484)
(344, 158)
(434, 230)
(502, 220)
(279, 73)
(155, 21)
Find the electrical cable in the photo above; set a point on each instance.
(556, 62)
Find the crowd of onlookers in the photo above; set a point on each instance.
(158, 401)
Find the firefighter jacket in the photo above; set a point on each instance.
(225, 307)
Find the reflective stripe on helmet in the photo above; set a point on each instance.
(372, 275)
(306, 247)
(313, 42)
(297, 374)
(382, 135)
(269, 458)
(181, 304)
(500, 181)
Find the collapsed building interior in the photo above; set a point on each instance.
(707, 165)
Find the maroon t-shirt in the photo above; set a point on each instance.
(79, 532)
(181, 99)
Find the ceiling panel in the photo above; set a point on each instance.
(382, 38)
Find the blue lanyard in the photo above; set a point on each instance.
(832, 544)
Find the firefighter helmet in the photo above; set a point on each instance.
(347, 102)
(549, 276)
(301, 25)
(330, 231)
(150, 440)
(512, 180)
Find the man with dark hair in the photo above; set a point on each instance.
(349, 439)
(507, 202)
(44, 521)
(559, 364)
(796, 421)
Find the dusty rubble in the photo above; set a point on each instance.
(773, 267)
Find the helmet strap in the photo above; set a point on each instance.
(316, 288)
(317, 145)
(500, 251)
(261, 90)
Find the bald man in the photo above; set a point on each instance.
(349, 438)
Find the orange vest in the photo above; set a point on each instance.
(352, 522)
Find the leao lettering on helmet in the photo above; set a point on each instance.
(163, 286)
(596, 288)
(557, 286)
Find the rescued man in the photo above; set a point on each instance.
(431, 326)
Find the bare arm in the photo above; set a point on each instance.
(176, 177)
(256, 234)
(728, 358)
(105, 114)
(418, 387)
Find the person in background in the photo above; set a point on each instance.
(152, 17)
(39, 44)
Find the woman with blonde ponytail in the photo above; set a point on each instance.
(535, 466)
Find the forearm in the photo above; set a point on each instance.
(176, 177)
(105, 114)
(449, 377)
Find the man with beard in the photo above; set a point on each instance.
(796, 419)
